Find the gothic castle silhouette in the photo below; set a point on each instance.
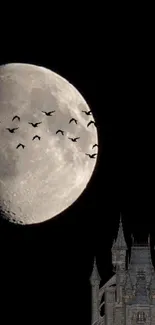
(129, 296)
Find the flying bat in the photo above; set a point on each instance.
(35, 124)
(74, 139)
(87, 113)
(91, 122)
(16, 116)
(48, 113)
(20, 145)
(60, 131)
(95, 145)
(73, 120)
(12, 130)
(36, 136)
(91, 156)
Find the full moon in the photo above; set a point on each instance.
(47, 149)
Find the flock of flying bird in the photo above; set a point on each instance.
(58, 131)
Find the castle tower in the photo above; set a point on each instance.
(129, 295)
(109, 305)
(141, 295)
(141, 260)
(119, 249)
(128, 290)
(152, 297)
(95, 282)
(139, 309)
(152, 289)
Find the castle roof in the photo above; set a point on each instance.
(95, 274)
(141, 258)
(120, 242)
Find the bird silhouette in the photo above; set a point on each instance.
(87, 113)
(20, 145)
(95, 145)
(36, 136)
(35, 124)
(12, 130)
(60, 131)
(91, 122)
(74, 139)
(73, 120)
(48, 113)
(91, 156)
(16, 116)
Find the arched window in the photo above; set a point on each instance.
(141, 317)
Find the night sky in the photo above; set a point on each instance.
(45, 268)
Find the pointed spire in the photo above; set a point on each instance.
(149, 240)
(132, 238)
(120, 241)
(95, 277)
(113, 245)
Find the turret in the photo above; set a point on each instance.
(132, 238)
(128, 289)
(119, 249)
(95, 282)
(113, 256)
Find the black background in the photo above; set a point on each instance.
(45, 268)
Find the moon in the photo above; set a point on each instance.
(43, 177)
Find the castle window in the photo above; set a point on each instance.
(141, 317)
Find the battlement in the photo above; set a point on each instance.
(140, 244)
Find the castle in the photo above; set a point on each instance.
(129, 296)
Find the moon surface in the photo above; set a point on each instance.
(42, 179)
